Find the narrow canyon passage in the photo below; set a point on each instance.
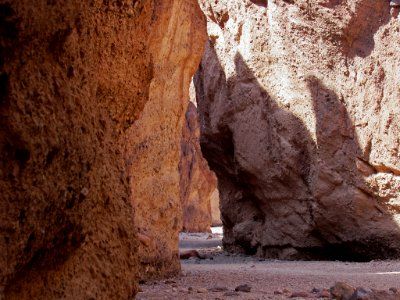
(129, 127)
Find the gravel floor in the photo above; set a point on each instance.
(217, 276)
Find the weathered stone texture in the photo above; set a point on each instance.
(78, 81)
(153, 142)
(299, 113)
(197, 182)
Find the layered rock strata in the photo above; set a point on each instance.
(79, 83)
(197, 182)
(299, 113)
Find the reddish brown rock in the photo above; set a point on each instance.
(324, 294)
(243, 288)
(79, 79)
(343, 291)
(197, 182)
(300, 294)
(298, 103)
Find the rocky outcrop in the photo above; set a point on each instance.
(197, 182)
(299, 118)
(81, 82)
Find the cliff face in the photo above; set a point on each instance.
(78, 81)
(197, 182)
(300, 121)
(153, 142)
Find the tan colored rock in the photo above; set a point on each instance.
(342, 291)
(215, 212)
(298, 103)
(79, 79)
(197, 182)
(153, 142)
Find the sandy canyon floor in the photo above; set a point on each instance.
(217, 276)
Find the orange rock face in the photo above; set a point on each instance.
(298, 103)
(197, 182)
(153, 142)
(89, 88)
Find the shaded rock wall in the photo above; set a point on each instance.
(77, 81)
(300, 122)
(197, 182)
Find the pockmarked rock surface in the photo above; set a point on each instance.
(299, 114)
(197, 182)
(77, 80)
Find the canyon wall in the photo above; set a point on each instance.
(153, 142)
(83, 86)
(198, 183)
(299, 114)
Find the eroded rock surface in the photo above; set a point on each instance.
(153, 142)
(78, 80)
(197, 182)
(299, 114)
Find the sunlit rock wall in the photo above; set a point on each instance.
(299, 114)
(153, 142)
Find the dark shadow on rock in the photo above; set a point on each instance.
(331, 3)
(369, 16)
(263, 3)
(204, 98)
(282, 194)
(350, 221)
(261, 154)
